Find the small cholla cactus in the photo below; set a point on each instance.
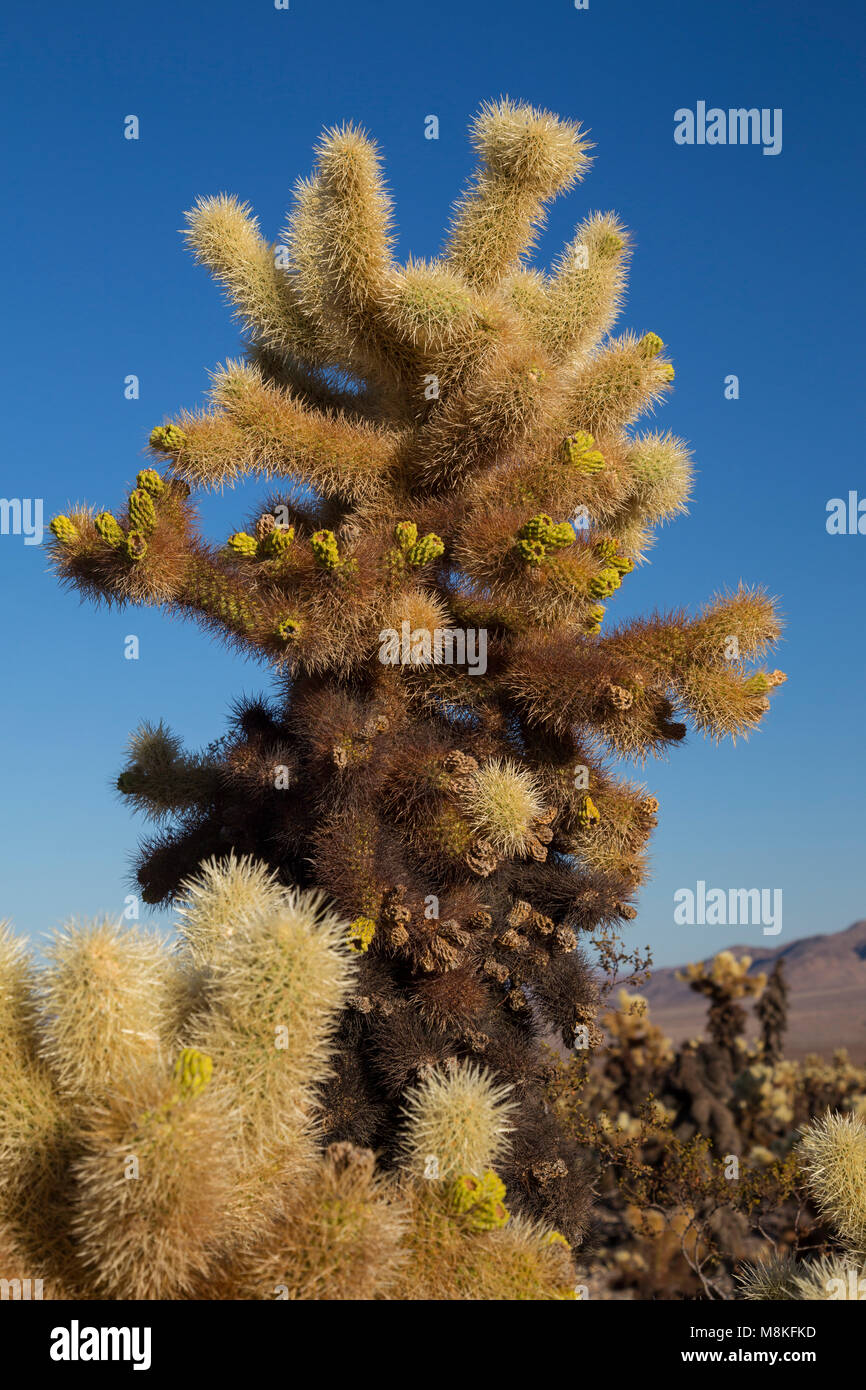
(832, 1152)
(724, 982)
(197, 1070)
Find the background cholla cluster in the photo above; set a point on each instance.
(160, 1126)
(704, 1165)
(451, 444)
(833, 1153)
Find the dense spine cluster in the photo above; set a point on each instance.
(450, 445)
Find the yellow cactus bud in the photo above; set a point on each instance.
(242, 543)
(109, 528)
(289, 629)
(650, 345)
(360, 934)
(169, 439)
(63, 530)
(135, 545)
(192, 1072)
(405, 534)
(324, 545)
(150, 481)
(588, 814)
(276, 542)
(428, 548)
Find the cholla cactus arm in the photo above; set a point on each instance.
(260, 429)
(224, 236)
(439, 324)
(661, 472)
(584, 296)
(618, 384)
(526, 157)
(771, 1282)
(151, 1231)
(160, 779)
(278, 988)
(102, 996)
(456, 1121)
(833, 1152)
(340, 236)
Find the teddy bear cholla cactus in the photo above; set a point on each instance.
(450, 445)
(160, 1130)
(832, 1152)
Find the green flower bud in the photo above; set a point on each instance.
(277, 542)
(667, 371)
(604, 585)
(135, 545)
(169, 439)
(405, 534)
(595, 618)
(324, 545)
(109, 529)
(242, 543)
(650, 345)
(623, 564)
(536, 528)
(532, 552)
(581, 455)
(606, 548)
(192, 1072)
(360, 934)
(560, 536)
(63, 530)
(588, 813)
(428, 548)
(151, 481)
(758, 684)
(480, 1201)
(142, 513)
(289, 630)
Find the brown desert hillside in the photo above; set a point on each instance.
(827, 993)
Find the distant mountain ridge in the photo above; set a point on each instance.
(826, 978)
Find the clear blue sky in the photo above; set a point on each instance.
(744, 264)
